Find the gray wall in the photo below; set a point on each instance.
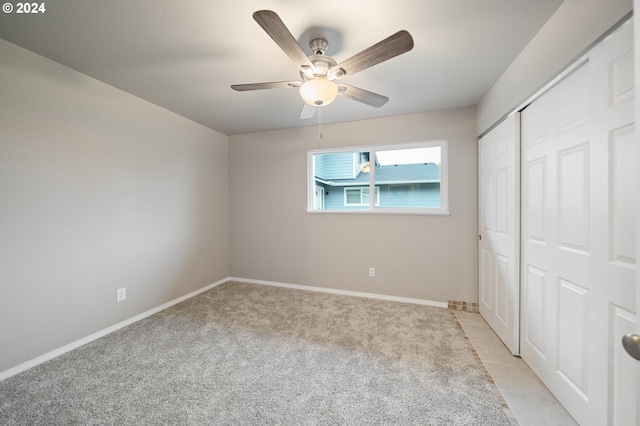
(98, 190)
(425, 257)
(575, 26)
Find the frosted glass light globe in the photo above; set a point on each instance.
(318, 91)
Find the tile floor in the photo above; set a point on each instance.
(528, 398)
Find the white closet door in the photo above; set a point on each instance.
(636, 368)
(499, 290)
(578, 235)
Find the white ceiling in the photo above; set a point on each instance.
(184, 55)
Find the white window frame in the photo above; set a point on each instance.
(374, 208)
(361, 188)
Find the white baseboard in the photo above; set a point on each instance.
(74, 345)
(344, 292)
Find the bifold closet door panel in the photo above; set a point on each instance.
(498, 177)
(578, 233)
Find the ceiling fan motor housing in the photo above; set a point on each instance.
(318, 46)
(321, 64)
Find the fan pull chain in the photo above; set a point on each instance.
(320, 122)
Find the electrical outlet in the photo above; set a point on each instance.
(121, 294)
(372, 272)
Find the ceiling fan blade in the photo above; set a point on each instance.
(388, 48)
(308, 111)
(273, 25)
(262, 86)
(361, 95)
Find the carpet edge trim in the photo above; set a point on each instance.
(101, 333)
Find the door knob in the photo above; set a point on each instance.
(631, 343)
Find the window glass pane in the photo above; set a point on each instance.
(336, 173)
(352, 196)
(409, 178)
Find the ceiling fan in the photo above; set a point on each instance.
(320, 73)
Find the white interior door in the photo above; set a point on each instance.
(318, 198)
(499, 183)
(613, 108)
(578, 235)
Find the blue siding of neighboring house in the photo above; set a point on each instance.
(410, 195)
(318, 166)
(424, 195)
(334, 199)
(399, 186)
(341, 165)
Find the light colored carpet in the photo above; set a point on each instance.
(251, 354)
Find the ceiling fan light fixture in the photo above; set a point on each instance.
(319, 91)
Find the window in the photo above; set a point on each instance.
(359, 196)
(409, 178)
